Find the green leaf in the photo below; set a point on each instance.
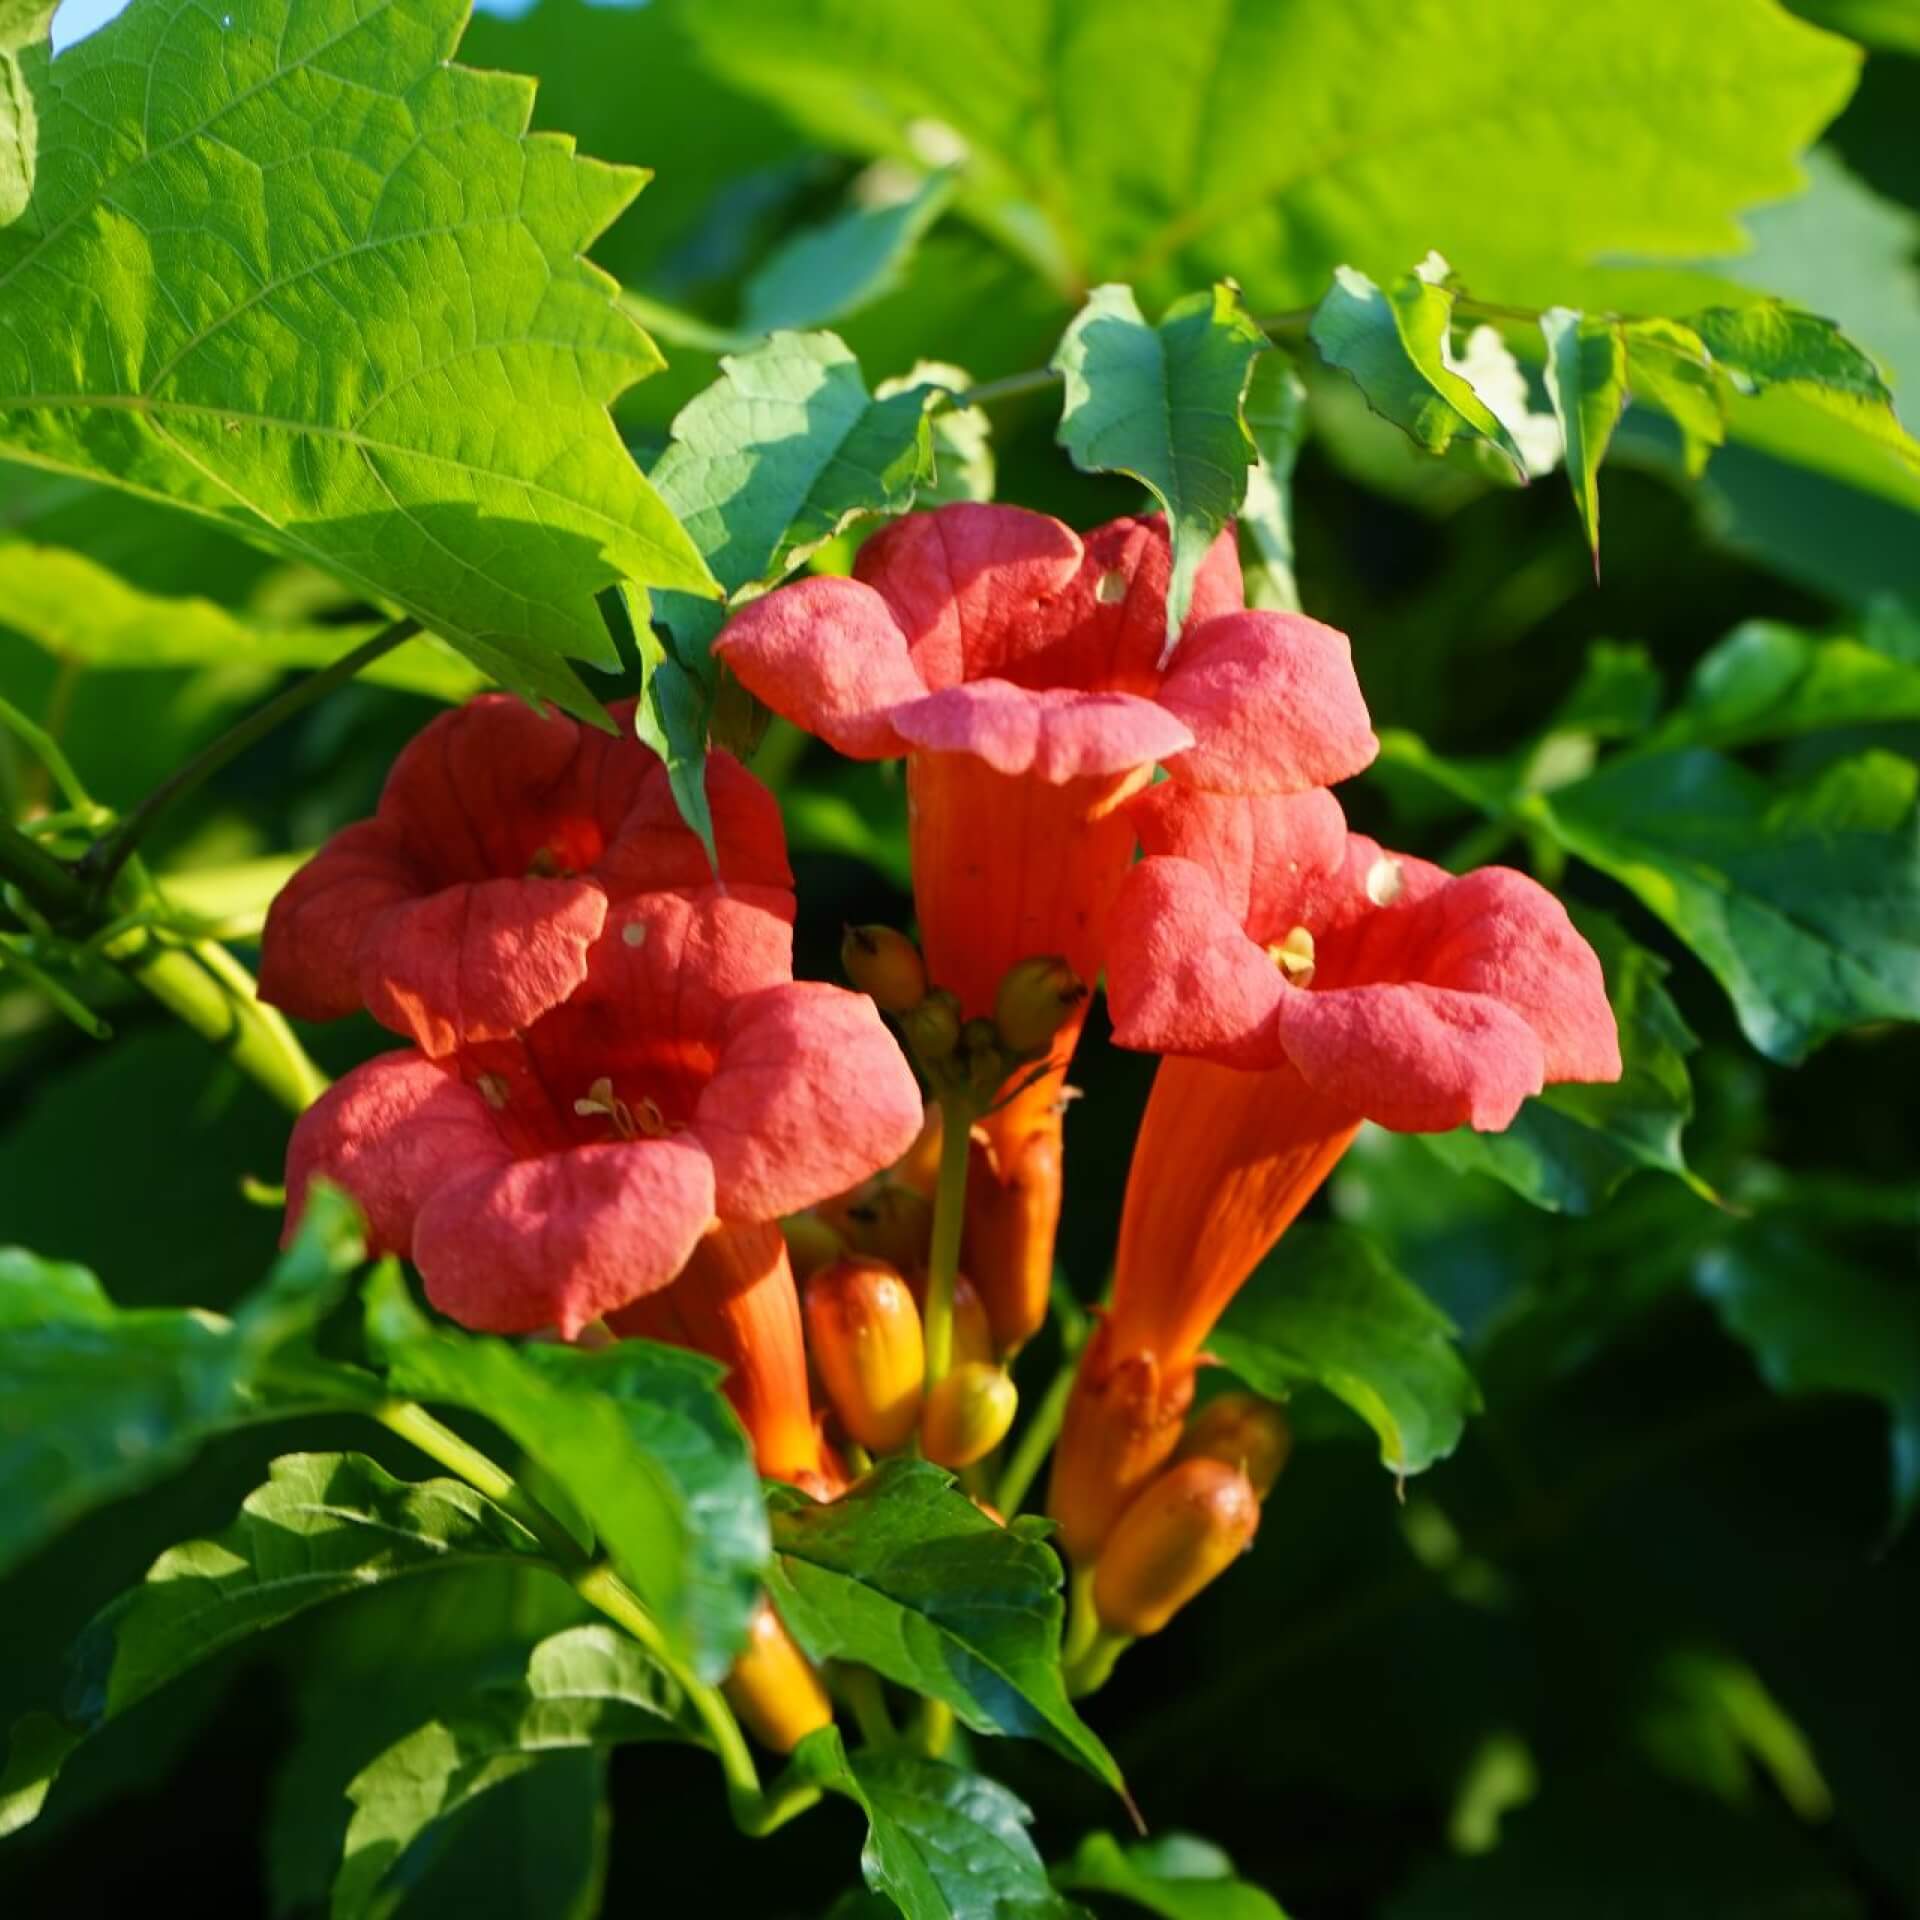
(1163, 404)
(82, 611)
(1769, 681)
(337, 301)
(642, 1442)
(1587, 383)
(1772, 344)
(1804, 904)
(323, 1526)
(781, 453)
(1570, 1148)
(24, 58)
(941, 1844)
(962, 436)
(587, 1688)
(1668, 364)
(36, 1751)
(906, 1575)
(1395, 347)
(1174, 1875)
(824, 273)
(1617, 696)
(1327, 1308)
(1880, 23)
(1817, 1322)
(1122, 142)
(96, 1401)
(1276, 416)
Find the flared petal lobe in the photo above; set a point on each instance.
(809, 1095)
(563, 1238)
(1052, 734)
(391, 1133)
(1272, 703)
(310, 947)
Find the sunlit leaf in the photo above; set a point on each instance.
(1173, 1875)
(1587, 382)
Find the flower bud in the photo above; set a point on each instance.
(919, 1166)
(811, 1242)
(968, 1414)
(1034, 1002)
(885, 964)
(1013, 1213)
(774, 1688)
(864, 1333)
(933, 1027)
(1185, 1530)
(891, 1222)
(972, 1331)
(1244, 1431)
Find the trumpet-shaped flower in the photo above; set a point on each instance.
(465, 908)
(1018, 668)
(1301, 980)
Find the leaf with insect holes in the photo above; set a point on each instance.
(287, 266)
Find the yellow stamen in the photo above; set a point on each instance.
(1294, 956)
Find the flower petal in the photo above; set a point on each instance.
(828, 655)
(309, 949)
(559, 1240)
(392, 1133)
(1053, 733)
(810, 1095)
(1182, 977)
(1273, 704)
(1269, 854)
(479, 961)
(653, 848)
(1414, 1058)
(967, 583)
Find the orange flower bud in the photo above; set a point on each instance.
(1013, 1213)
(1122, 1423)
(890, 1222)
(811, 1242)
(1185, 1530)
(1035, 1000)
(972, 1332)
(933, 1027)
(919, 1166)
(774, 1688)
(864, 1333)
(1244, 1431)
(968, 1414)
(885, 964)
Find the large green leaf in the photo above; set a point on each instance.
(1174, 1875)
(1570, 1148)
(85, 613)
(332, 295)
(1275, 411)
(1767, 680)
(1818, 1322)
(1163, 404)
(23, 73)
(637, 1436)
(323, 1526)
(1804, 904)
(1273, 140)
(941, 1844)
(906, 1575)
(1327, 1308)
(96, 1400)
(1587, 382)
(588, 1688)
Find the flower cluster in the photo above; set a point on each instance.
(615, 1087)
(618, 1114)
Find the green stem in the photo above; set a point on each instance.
(868, 1699)
(46, 749)
(1083, 1623)
(1094, 1668)
(12, 960)
(949, 1220)
(49, 884)
(107, 856)
(1036, 1441)
(933, 1732)
(754, 1812)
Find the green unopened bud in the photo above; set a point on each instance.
(933, 1027)
(883, 962)
(1035, 1000)
(864, 1333)
(1244, 1431)
(1183, 1531)
(968, 1415)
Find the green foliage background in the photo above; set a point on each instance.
(1639, 1639)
